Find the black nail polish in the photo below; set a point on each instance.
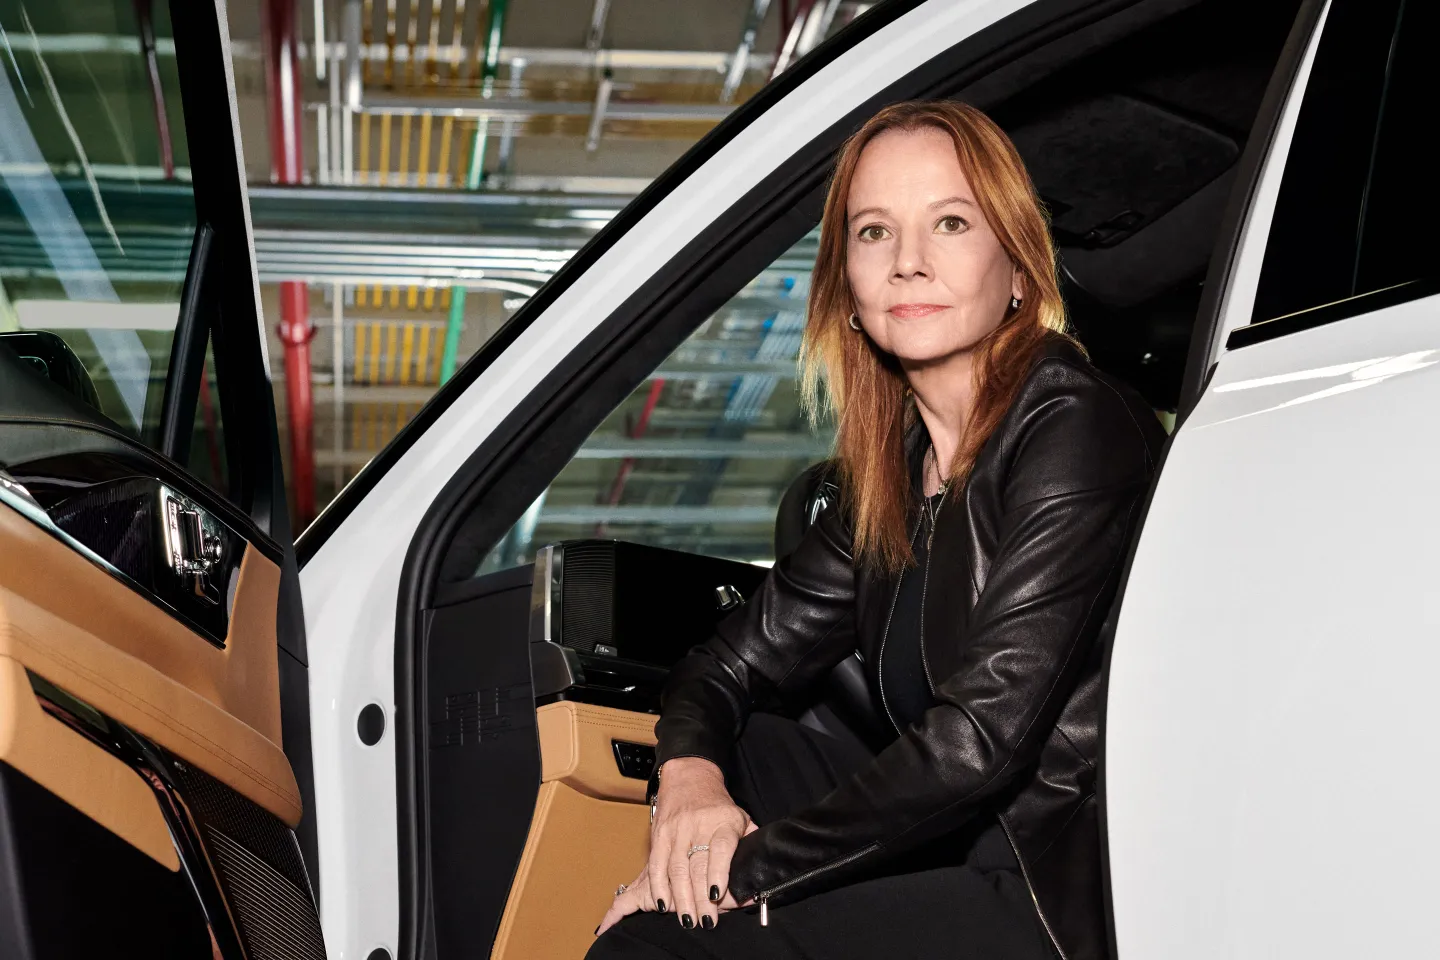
(660, 905)
(597, 929)
(686, 922)
(706, 922)
(714, 894)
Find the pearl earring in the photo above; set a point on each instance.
(1014, 303)
(854, 322)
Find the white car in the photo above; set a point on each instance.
(1238, 193)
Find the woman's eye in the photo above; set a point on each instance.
(951, 225)
(872, 232)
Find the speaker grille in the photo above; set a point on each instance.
(277, 920)
(259, 868)
(587, 598)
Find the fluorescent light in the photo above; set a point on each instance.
(93, 315)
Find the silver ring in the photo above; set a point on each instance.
(621, 889)
(697, 848)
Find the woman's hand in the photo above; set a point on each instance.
(693, 808)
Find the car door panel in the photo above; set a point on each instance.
(133, 907)
(75, 770)
(590, 826)
(1272, 667)
(578, 845)
(1275, 654)
(74, 624)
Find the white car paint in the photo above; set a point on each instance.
(350, 585)
(1269, 734)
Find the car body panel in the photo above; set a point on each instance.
(1273, 666)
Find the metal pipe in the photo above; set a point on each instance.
(597, 116)
(703, 61)
(792, 38)
(496, 108)
(507, 131)
(146, 21)
(741, 62)
(320, 54)
(596, 35)
(352, 88)
(642, 423)
(489, 68)
(455, 322)
(282, 75)
(337, 375)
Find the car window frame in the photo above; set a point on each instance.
(228, 287)
(1287, 82)
(1339, 58)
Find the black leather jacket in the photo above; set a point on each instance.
(1022, 571)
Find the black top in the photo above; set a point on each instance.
(905, 687)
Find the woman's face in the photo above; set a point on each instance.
(928, 275)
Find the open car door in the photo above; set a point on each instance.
(151, 647)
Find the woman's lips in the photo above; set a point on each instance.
(909, 311)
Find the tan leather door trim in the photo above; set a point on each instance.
(582, 842)
(578, 850)
(77, 771)
(575, 747)
(89, 634)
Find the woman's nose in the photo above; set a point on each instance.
(912, 257)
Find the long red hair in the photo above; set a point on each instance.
(843, 371)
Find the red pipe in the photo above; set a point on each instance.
(146, 22)
(642, 423)
(282, 76)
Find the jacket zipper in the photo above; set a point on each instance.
(885, 635)
(1025, 872)
(925, 588)
(763, 897)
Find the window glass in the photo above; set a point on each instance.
(206, 460)
(1346, 223)
(1397, 242)
(96, 209)
(698, 456)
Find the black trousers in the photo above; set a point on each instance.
(965, 899)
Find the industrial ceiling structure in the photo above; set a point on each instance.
(417, 169)
(426, 165)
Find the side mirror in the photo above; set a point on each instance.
(51, 357)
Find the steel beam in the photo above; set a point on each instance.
(589, 514)
(781, 447)
(741, 61)
(596, 34)
(704, 61)
(749, 448)
(500, 108)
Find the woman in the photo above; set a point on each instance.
(989, 480)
